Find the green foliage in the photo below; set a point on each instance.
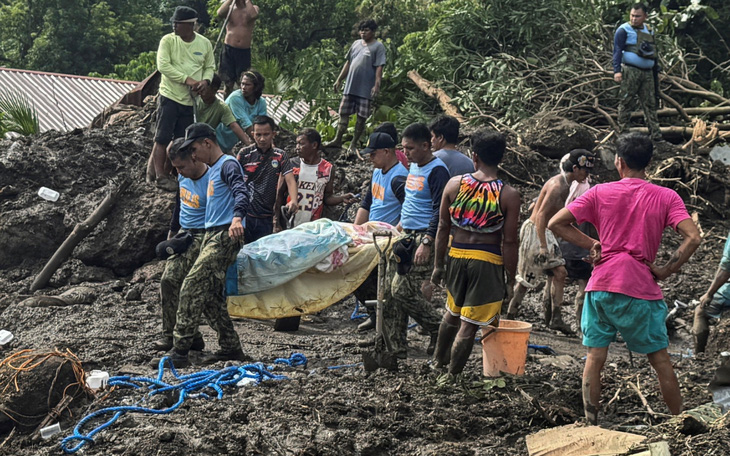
(17, 114)
(75, 36)
(136, 70)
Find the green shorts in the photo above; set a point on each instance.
(474, 285)
(640, 322)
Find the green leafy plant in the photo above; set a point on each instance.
(18, 114)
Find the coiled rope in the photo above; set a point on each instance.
(189, 386)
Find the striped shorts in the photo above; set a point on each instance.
(352, 104)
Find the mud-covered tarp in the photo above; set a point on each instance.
(315, 290)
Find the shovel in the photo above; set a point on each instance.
(382, 355)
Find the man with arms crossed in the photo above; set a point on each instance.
(622, 295)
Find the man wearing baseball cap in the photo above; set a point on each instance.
(382, 203)
(185, 61)
(539, 248)
(202, 290)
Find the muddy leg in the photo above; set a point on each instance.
(514, 304)
(359, 128)
(159, 159)
(547, 300)
(592, 382)
(700, 329)
(447, 333)
(579, 298)
(341, 129)
(557, 322)
(668, 383)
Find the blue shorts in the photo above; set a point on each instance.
(717, 306)
(640, 322)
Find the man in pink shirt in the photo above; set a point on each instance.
(622, 294)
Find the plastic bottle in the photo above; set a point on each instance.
(97, 379)
(5, 336)
(48, 194)
(48, 431)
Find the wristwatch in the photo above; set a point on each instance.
(426, 240)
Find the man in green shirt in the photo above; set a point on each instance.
(185, 60)
(214, 111)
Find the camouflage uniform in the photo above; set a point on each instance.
(404, 299)
(176, 269)
(202, 293)
(638, 83)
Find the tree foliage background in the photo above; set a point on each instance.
(498, 59)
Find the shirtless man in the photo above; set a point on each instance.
(236, 55)
(539, 250)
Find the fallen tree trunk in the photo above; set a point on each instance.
(683, 132)
(432, 91)
(712, 111)
(80, 231)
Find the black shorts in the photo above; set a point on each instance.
(578, 269)
(172, 120)
(234, 61)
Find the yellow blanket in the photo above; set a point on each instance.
(313, 290)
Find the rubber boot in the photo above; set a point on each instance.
(447, 334)
(558, 323)
(700, 330)
(460, 354)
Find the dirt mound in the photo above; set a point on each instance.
(555, 136)
(82, 166)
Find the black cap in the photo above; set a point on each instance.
(184, 14)
(197, 131)
(378, 140)
(582, 158)
(178, 244)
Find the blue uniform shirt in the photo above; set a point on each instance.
(384, 203)
(227, 193)
(424, 187)
(193, 198)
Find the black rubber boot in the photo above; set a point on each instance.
(460, 354)
(222, 355)
(367, 325)
(447, 334)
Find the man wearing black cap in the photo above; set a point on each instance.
(202, 290)
(185, 61)
(382, 203)
(539, 249)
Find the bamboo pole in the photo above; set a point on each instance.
(80, 231)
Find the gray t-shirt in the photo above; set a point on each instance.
(456, 162)
(364, 59)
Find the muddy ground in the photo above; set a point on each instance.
(317, 411)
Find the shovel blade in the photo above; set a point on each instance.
(375, 360)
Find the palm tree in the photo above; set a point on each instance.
(17, 114)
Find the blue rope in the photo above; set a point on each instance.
(355, 313)
(190, 386)
(344, 366)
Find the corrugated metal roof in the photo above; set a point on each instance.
(63, 101)
(279, 109)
